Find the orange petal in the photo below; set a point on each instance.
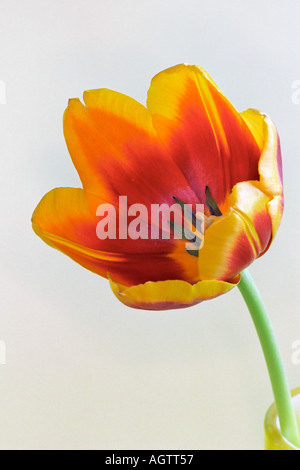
(116, 151)
(64, 213)
(166, 295)
(236, 239)
(95, 132)
(207, 137)
(63, 220)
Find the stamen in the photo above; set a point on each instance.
(211, 203)
(182, 233)
(195, 240)
(193, 252)
(191, 215)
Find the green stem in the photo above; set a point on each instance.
(286, 414)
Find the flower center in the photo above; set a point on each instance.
(195, 223)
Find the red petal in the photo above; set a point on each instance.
(207, 137)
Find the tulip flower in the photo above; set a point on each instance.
(190, 145)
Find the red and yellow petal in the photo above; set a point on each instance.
(64, 213)
(275, 209)
(63, 220)
(209, 140)
(251, 204)
(166, 295)
(97, 131)
(116, 151)
(236, 239)
(270, 163)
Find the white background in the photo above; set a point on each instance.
(83, 371)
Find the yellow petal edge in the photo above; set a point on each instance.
(164, 295)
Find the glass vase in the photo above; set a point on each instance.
(273, 437)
